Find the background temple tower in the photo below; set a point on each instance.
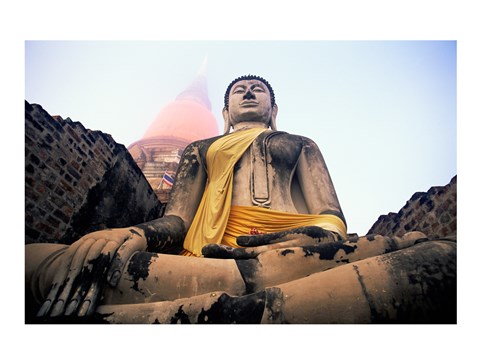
(186, 119)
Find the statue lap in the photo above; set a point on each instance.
(412, 285)
(296, 281)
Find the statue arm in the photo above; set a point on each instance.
(99, 258)
(316, 183)
(186, 194)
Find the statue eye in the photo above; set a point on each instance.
(258, 89)
(239, 90)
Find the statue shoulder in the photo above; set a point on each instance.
(202, 145)
(199, 148)
(305, 140)
(293, 140)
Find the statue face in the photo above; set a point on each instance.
(249, 100)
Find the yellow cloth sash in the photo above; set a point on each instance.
(243, 218)
(212, 214)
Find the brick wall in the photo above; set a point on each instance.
(78, 180)
(433, 212)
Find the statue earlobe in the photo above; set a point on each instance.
(273, 122)
(226, 121)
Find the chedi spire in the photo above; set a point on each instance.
(197, 90)
(186, 119)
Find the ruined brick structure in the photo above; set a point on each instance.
(78, 180)
(433, 212)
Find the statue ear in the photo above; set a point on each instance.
(273, 122)
(226, 118)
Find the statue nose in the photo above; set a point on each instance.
(249, 95)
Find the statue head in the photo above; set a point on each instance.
(249, 98)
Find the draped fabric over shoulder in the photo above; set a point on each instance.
(211, 218)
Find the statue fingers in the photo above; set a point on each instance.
(94, 265)
(94, 293)
(74, 273)
(312, 234)
(242, 253)
(135, 243)
(76, 298)
(103, 260)
(61, 276)
(217, 251)
(257, 240)
(69, 300)
(221, 251)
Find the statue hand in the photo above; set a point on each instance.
(95, 258)
(256, 244)
(311, 234)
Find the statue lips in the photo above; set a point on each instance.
(248, 103)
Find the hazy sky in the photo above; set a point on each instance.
(382, 112)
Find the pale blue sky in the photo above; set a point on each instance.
(382, 112)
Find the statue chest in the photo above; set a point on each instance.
(264, 172)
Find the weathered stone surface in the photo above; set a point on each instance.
(416, 285)
(78, 180)
(434, 213)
